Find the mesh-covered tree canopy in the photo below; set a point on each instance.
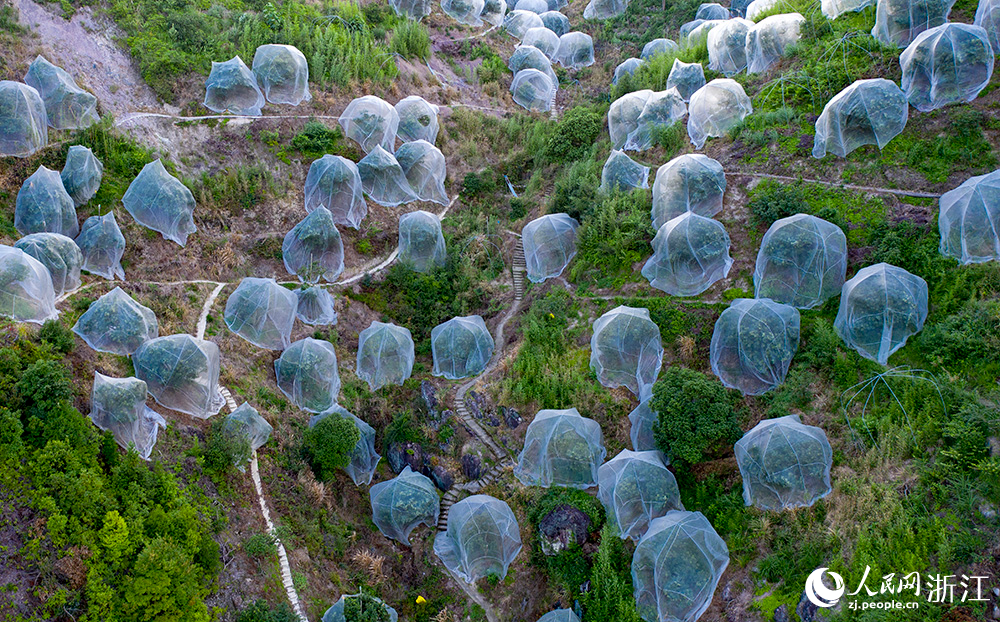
(315, 306)
(769, 38)
(627, 67)
(370, 122)
(642, 420)
(26, 293)
(262, 312)
(424, 167)
(533, 90)
(549, 245)
(868, 112)
(181, 373)
(759, 7)
(969, 220)
(623, 173)
(482, 538)
(623, 116)
(245, 422)
(898, 22)
(466, 12)
(418, 119)
(116, 323)
(59, 254)
(42, 205)
(833, 9)
(556, 22)
(421, 243)
(493, 12)
(543, 39)
(283, 74)
(662, 109)
(24, 126)
(712, 10)
(313, 250)
(784, 464)
(335, 183)
(81, 175)
(880, 307)
(945, 65)
(413, 9)
(715, 108)
(727, 42)
(559, 615)
(686, 78)
(635, 488)
(694, 34)
(402, 503)
(232, 87)
(67, 106)
(802, 262)
(535, 6)
(677, 566)
(688, 183)
(753, 344)
(385, 355)
(690, 253)
(988, 18)
(307, 374)
(561, 448)
(626, 350)
(516, 23)
(461, 347)
(604, 9)
(530, 57)
(159, 201)
(338, 612)
(364, 458)
(102, 245)
(576, 50)
(118, 405)
(659, 46)
(383, 179)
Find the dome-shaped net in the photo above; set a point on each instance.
(118, 405)
(543, 39)
(784, 464)
(833, 9)
(623, 173)
(712, 10)
(116, 323)
(530, 57)
(306, 373)
(468, 12)
(561, 448)
(549, 245)
(686, 78)
(42, 204)
(662, 109)
(535, 6)
(421, 243)
(802, 262)
(635, 488)
(559, 615)
(677, 566)
(642, 420)
(59, 254)
(516, 23)
(969, 220)
(898, 22)
(283, 74)
(364, 458)
(533, 90)
(246, 424)
(688, 183)
(24, 127)
(727, 42)
(315, 306)
(604, 9)
(81, 175)
(102, 245)
(626, 350)
(424, 165)
(988, 18)
(695, 34)
(880, 307)
(627, 67)
(556, 22)
(334, 183)
(576, 50)
(769, 38)
(370, 122)
(482, 538)
(659, 46)
(159, 201)
(402, 503)
(262, 312)
(753, 344)
(413, 9)
(67, 106)
(26, 293)
(690, 253)
(945, 65)
(868, 112)
(232, 87)
(383, 179)
(313, 250)
(461, 347)
(181, 373)
(623, 116)
(358, 607)
(418, 119)
(756, 9)
(493, 12)
(716, 108)
(385, 355)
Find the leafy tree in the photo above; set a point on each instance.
(328, 445)
(164, 586)
(225, 448)
(574, 136)
(58, 336)
(365, 608)
(696, 415)
(610, 596)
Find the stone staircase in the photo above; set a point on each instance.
(451, 497)
(518, 271)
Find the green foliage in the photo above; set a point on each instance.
(961, 147)
(579, 499)
(612, 239)
(672, 138)
(722, 504)
(365, 608)
(411, 40)
(328, 445)
(261, 545)
(260, 611)
(476, 186)
(225, 448)
(574, 135)
(610, 596)
(653, 73)
(316, 140)
(697, 415)
(575, 190)
(61, 339)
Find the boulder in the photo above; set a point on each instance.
(562, 527)
(510, 417)
(442, 478)
(401, 455)
(472, 467)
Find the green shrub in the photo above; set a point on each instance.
(579, 499)
(777, 201)
(329, 444)
(574, 135)
(610, 596)
(316, 140)
(225, 448)
(58, 336)
(612, 239)
(261, 611)
(697, 415)
(261, 545)
(478, 185)
(411, 40)
(575, 192)
(365, 608)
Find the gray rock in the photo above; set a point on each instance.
(428, 396)
(401, 455)
(492, 420)
(781, 614)
(442, 478)
(561, 528)
(472, 467)
(510, 417)
(806, 610)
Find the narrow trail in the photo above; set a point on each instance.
(834, 184)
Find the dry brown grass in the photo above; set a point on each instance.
(370, 563)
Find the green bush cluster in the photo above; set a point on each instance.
(316, 140)
(328, 445)
(225, 448)
(574, 135)
(410, 39)
(610, 596)
(698, 415)
(613, 239)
